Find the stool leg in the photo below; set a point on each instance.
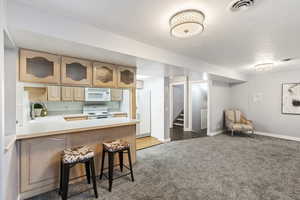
(93, 176)
(88, 171)
(130, 165)
(111, 169)
(121, 160)
(102, 163)
(66, 174)
(61, 178)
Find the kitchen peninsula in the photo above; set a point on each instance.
(42, 141)
(68, 102)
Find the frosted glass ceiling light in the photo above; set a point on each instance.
(186, 23)
(264, 67)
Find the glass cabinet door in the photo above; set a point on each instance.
(126, 77)
(75, 71)
(104, 75)
(38, 67)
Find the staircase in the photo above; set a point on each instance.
(179, 120)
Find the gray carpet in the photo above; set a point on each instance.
(210, 168)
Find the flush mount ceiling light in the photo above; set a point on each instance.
(186, 23)
(264, 67)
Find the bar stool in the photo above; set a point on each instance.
(111, 148)
(72, 157)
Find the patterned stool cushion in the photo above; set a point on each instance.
(77, 154)
(117, 145)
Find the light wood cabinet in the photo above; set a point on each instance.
(126, 77)
(76, 118)
(76, 71)
(104, 75)
(36, 94)
(79, 94)
(120, 115)
(54, 93)
(38, 67)
(116, 94)
(40, 160)
(67, 93)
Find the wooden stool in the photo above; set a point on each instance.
(70, 158)
(111, 148)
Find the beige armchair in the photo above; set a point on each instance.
(236, 121)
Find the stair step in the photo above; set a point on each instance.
(181, 115)
(177, 124)
(180, 119)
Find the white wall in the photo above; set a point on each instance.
(10, 61)
(159, 114)
(11, 158)
(219, 100)
(199, 102)
(2, 182)
(266, 112)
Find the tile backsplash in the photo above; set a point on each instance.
(69, 108)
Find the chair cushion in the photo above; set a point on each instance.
(117, 145)
(242, 127)
(77, 154)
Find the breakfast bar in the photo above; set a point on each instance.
(41, 143)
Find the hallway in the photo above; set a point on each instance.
(177, 133)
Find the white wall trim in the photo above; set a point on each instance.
(165, 140)
(286, 137)
(215, 133)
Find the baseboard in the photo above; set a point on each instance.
(187, 129)
(215, 133)
(165, 140)
(278, 136)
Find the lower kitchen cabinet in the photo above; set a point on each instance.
(39, 162)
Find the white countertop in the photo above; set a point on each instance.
(57, 125)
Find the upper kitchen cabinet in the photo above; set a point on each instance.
(79, 94)
(54, 93)
(116, 94)
(38, 67)
(76, 71)
(104, 75)
(126, 77)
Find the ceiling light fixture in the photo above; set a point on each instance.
(264, 67)
(186, 23)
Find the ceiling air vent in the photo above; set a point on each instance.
(241, 5)
(287, 59)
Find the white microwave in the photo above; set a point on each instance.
(97, 94)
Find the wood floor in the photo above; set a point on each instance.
(145, 142)
(177, 133)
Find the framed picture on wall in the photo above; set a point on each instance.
(291, 98)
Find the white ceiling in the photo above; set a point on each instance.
(267, 32)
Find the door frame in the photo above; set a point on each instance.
(185, 104)
(191, 104)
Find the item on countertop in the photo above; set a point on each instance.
(37, 109)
